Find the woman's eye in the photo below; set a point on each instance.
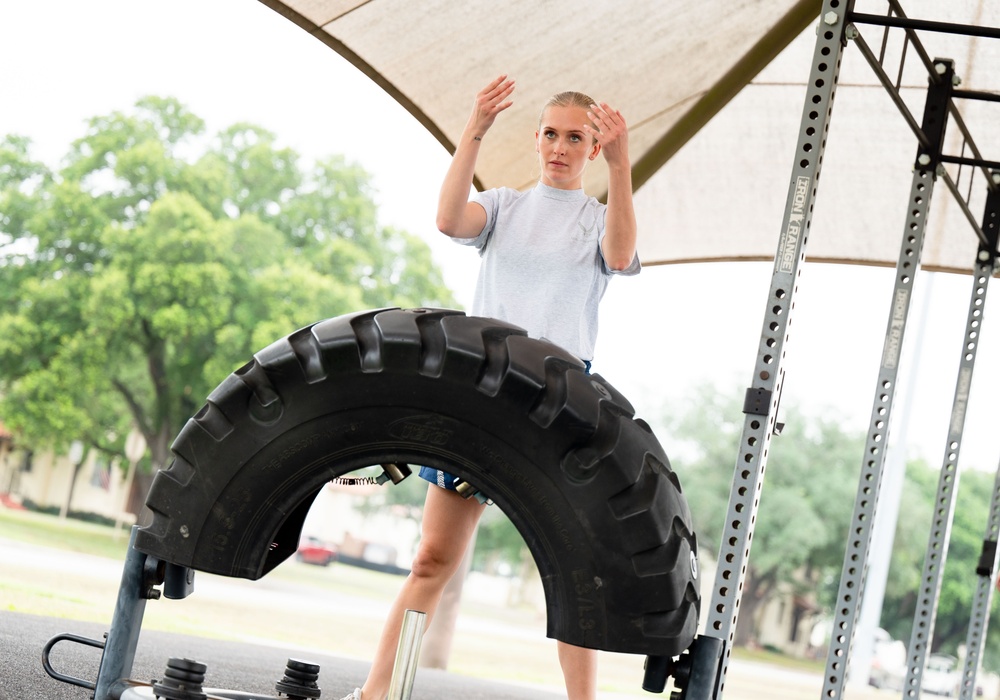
(550, 134)
(575, 138)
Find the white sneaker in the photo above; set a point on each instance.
(356, 695)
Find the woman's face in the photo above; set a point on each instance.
(564, 148)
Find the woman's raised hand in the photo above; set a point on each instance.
(611, 133)
(490, 101)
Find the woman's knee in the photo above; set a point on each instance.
(434, 562)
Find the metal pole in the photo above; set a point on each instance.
(859, 539)
(762, 397)
(979, 622)
(126, 623)
(407, 654)
(944, 512)
(979, 619)
(886, 519)
(852, 577)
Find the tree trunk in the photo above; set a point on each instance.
(756, 591)
(68, 503)
(436, 646)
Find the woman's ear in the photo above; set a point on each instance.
(595, 150)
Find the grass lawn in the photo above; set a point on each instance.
(332, 599)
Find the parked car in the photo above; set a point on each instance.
(313, 550)
(888, 662)
(941, 675)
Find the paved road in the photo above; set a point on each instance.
(250, 668)
(254, 667)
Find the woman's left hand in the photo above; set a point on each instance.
(611, 133)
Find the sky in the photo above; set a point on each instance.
(666, 334)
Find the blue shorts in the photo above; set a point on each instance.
(450, 483)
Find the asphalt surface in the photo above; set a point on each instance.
(254, 667)
(249, 668)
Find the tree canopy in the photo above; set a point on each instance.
(805, 506)
(157, 259)
(800, 534)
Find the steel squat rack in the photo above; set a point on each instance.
(839, 25)
(309, 405)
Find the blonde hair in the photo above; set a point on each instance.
(569, 98)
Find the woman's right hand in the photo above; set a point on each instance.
(490, 101)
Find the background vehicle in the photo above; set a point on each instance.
(888, 662)
(941, 675)
(313, 550)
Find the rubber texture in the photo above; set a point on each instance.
(587, 485)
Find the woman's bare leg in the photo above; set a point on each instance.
(579, 667)
(449, 521)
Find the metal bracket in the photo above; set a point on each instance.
(47, 663)
(935, 120)
(987, 559)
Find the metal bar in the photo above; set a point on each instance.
(940, 535)
(956, 115)
(975, 642)
(980, 619)
(976, 162)
(852, 578)
(407, 655)
(885, 44)
(902, 63)
(915, 40)
(759, 423)
(126, 623)
(963, 205)
(922, 137)
(891, 90)
(902, 22)
(860, 535)
(977, 95)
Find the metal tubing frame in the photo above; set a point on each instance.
(126, 623)
(751, 463)
(855, 568)
(979, 620)
(852, 578)
(404, 670)
(759, 424)
(940, 536)
(875, 63)
(904, 22)
(986, 264)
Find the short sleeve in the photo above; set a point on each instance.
(489, 200)
(634, 268)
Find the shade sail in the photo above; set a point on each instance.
(713, 95)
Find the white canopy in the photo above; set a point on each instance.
(713, 95)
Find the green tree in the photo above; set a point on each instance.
(959, 580)
(805, 506)
(157, 260)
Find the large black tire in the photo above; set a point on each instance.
(587, 486)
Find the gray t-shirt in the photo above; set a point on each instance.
(542, 266)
